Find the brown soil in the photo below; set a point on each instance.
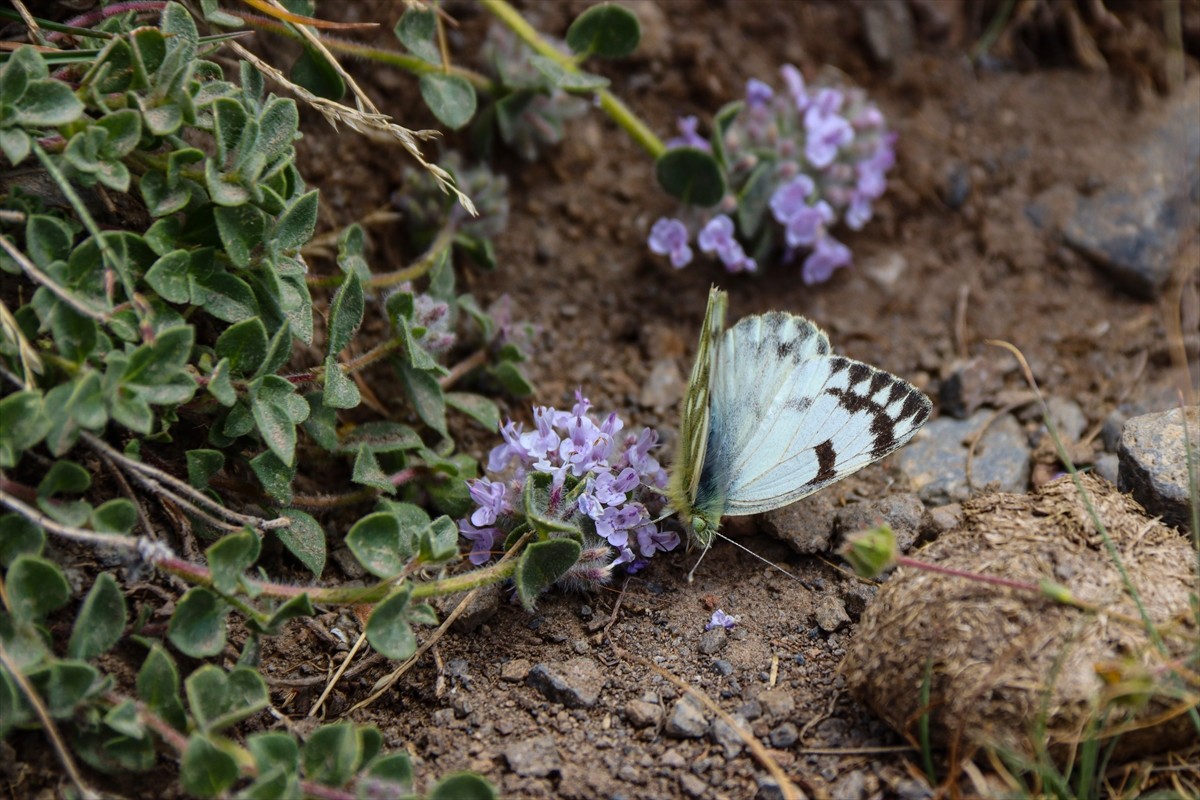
(574, 256)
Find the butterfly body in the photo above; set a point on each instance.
(771, 416)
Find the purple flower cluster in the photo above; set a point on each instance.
(599, 477)
(829, 150)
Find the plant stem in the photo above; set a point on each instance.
(618, 111)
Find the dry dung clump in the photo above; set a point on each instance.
(1000, 660)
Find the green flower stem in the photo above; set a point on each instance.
(443, 242)
(392, 58)
(494, 573)
(618, 111)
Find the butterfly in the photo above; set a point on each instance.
(771, 416)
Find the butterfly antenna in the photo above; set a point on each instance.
(692, 574)
(751, 552)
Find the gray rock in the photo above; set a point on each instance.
(687, 720)
(1134, 228)
(692, 785)
(944, 518)
(664, 387)
(784, 735)
(347, 563)
(713, 641)
(642, 714)
(1153, 463)
(1110, 432)
(807, 526)
(768, 789)
(576, 683)
(831, 614)
(956, 187)
(969, 385)
(1068, 418)
(936, 461)
(722, 667)
(484, 605)
(727, 736)
(533, 758)
(851, 786)
(777, 703)
(888, 30)
(1108, 466)
(904, 513)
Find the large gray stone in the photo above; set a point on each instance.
(936, 461)
(1153, 463)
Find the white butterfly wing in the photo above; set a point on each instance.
(789, 419)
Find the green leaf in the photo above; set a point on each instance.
(219, 700)
(276, 415)
(541, 564)
(19, 536)
(159, 363)
(64, 477)
(559, 77)
(380, 436)
(202, 465)
(206, 770)
(273, 749)
(123, 718)
(691, 175)
(509, 375)
(63, 685)
(755, 198)
(47, 239)
(536, 500)
(198, 625)
(451, 98)
(35, 588)
(332, 754)
(115, 516)
(22, 425)
(47, 104)
(367, 472)
(242, 228)
(351, 244)
(230, 557)
(295, 226)
(275, 476)
(477, 407)
(245, 345)
(417, 30)
(375, 542)
(278, 353)
(168, 276)
(314, 72)
(101, 620)
(16, 145)
(227, 297)
(158, 687)
(345, 313)
(463, 786)
(606, 30)
(298, 606)
(440, 543)
(124, 128)
(390, 776)
(305, 539)
(388, 630)
(427, 396)
(340, 390)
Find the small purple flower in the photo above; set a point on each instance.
(721, 620)
(491, 500)
(669, 237)
(827, 255)
(614, 523)
(826, 131)
(717, 237)
(795, 86)
(791, 198)
(858, 213)
(483, 541)
(688, 136)
(806, 226)
(611, 490)
(652, 540)
(758, 94)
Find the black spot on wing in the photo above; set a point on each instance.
(826, 463)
